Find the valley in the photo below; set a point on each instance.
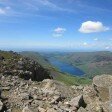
(91, 63)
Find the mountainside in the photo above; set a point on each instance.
(92, 63)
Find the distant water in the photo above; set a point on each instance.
(66, 68)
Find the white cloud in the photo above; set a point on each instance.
(58, 32)
(95, 39)
(4, 10)
(31, 7)
(107, 47)
(57, 35)
(91, 26)
(85, 44)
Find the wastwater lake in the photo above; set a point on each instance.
(66, 68)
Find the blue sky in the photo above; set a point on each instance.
(56, 24)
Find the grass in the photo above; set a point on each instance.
(73, 80)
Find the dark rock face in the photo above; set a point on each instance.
(23, 67)
(1, 58)
(30, 69)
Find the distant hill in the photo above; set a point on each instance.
(92, 63)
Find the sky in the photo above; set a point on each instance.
(56, 25)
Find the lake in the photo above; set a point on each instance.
(66, 68)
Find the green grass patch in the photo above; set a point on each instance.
(73, 80)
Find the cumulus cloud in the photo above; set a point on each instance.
(4, 10)
(107, 47)
(92, 26)
(85, 43)
(57, 35)
(58, 32)
(95, 39)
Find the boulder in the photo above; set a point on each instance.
(101, 85)
(26, 109)
(1, 106)
(77, 102)
(56, 99)
(2, 58)
(24, 96)
(41, 109)
(81, 109)
(51, 110)
(54, 87)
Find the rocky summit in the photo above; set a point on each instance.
(25, 86)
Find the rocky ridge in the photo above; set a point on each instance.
(14, 64)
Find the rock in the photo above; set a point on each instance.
(6, 88)
(2, 58)
(9, 110)
(77, 87)
(78, 102)
(51, 110)
(54, 87)
(26, 109)
(1, 106)
(106, 106)
(81, 109)
(35, 97)
(101, 85)
(41, 109)
(91, 99)
(56, 99)
(24, 96)
(93, 107)
(89, 94)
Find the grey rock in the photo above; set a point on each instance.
(81, 109)
(26, 109)
(24, 96)
(1, 105)
(77, 101)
